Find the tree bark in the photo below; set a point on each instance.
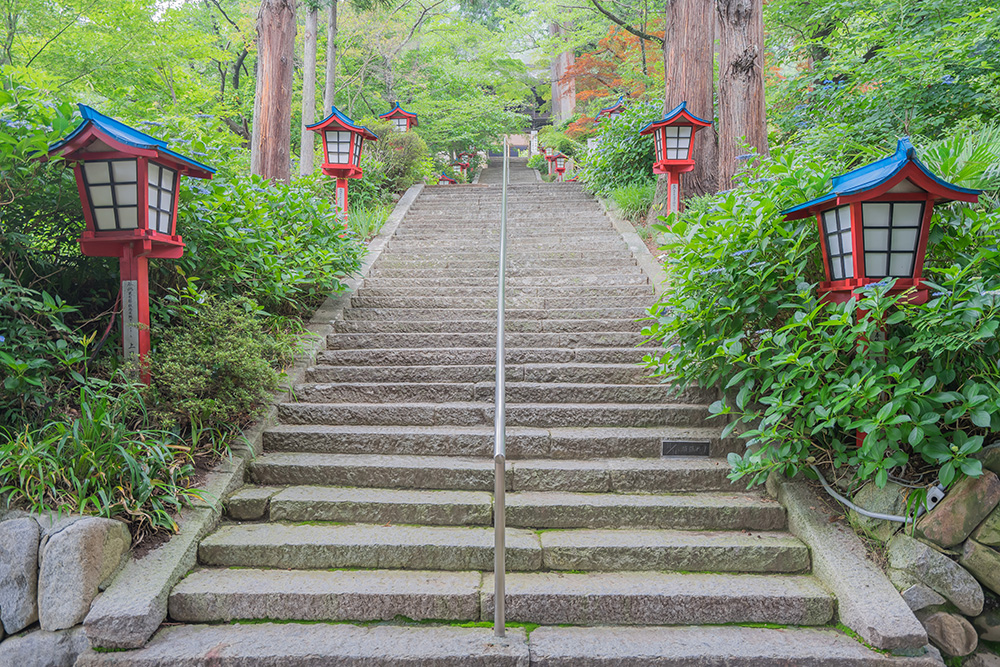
(308, 92)
(271, 146)
(688, 46)
(741, 84)
(331, 57)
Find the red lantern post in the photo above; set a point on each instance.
(342, 144)
(673, 143)
(127, 181)
(401, 119)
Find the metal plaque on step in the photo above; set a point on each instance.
(686, 448)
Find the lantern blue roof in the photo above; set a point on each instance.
(672, 115)
(124, 134)
(871, 176)
(620, 102)
(337, 114)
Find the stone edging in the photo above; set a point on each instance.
(866, 601)
(132, 608)
(638, 248)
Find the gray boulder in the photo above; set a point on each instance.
(18, 573)
(951, 633)
(74, 560)
(887, 500)
(919, 596)
(984, 563)
(44, 649)
(914, 560)
(982, 660)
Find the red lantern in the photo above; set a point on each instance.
(444, 179)
(875, 222)
(673, 142)
(342, 144)
(401, 120)
(463, 167)
(128, 184)
(559, 159)
(613, 111)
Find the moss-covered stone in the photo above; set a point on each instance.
(961, 511)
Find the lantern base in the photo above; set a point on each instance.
(842, 291)
(143, 242)
(675, 166)
(340, 171)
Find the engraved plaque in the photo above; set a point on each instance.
(685, 447)
(675, 197)
(130, 320)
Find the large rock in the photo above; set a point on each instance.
(887, 500)
(990, 456)
(988, 531)
(919, 596)
(44, 649)
(964, 508)
(951, 633)
(18, 574)
(983, 562)
(914, 560)
(73, 562)
(983, 660)
(988, 624)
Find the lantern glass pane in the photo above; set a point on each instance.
(907, 214)
(400, 124)
(876, 215)
(839, 247)
(100, 195)
(891, 247)
(104, 218)
(162, 181)
(876, 240)
(164, 225)
(128, 218)
(97, 172)
(901, 264)
(357, 149)
(124, 170)
(875, 262)
(126, 195)
(658, 145)
(905, 238)
(338, 146)
(685, 131)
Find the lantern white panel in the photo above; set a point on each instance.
(153, 174)
(151, 218)
(128, 217)
(358, 142)
(907, 214)
(876, 263)
(124, 170)
(97, 172)
(685, 131)
(400, 124)
(126, 195)
(835, 244)
(100, 195)
(876, 215)
(901, 264)
(153, 197)
(658, 144)
(876, 240)
(104, 219)
(164, 223)
(830, 221)
(905, 238)
(338, 146)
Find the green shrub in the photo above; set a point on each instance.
(404, 155)
(622, 157)
(742, 312)
(633, 201)
(538, 161)
(365, 223)
(102, 462)
(217, 365)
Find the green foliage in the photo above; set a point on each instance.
(538, 161)
(633, 201)
(278, 245)
(365, 223)
(217, 365)
(622, 157)
(743, 313)
(106, 462)
(404, 156)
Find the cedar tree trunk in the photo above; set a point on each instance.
(308, 92)
(271, 154)
(741, 84)
(331, 58)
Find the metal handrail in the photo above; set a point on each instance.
(500, 422)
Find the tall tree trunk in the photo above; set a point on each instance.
(308, 92)
(331, 57)
(272, 137)
(563, 85)
(688, 45)
(741, 84)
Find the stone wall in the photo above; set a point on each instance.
(948, 567)
(51, 569)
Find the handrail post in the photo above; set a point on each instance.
(500, 423)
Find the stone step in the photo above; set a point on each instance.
(491, 291)
(464, 392)
(522, 442)
(383, 506)
(649, 475)
(221, 596)
(615, 373)
(512, 271)
(572, 339)
(473, 265)
(625, 313)
(593, 301)
(417, 247)
(319, 645)
(587, 280)
(475, 356)
(541, 415)
(661, 598)
(712, 645)
(532, 509)
(315, 547)
(484, 326)
(492, 256)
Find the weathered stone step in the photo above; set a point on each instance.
(592, 301)
(473, 265)
(512, 271)
(573, 339)
(319, 645)
(382, 506)
(542, 415)
(714, 646)
(685, 550)
(418, 246)
(627, 313)
(492, 255)
(473, 356)
(522, 442)
(463, 392)
(648, 475)
(588, 280)
(373, 289)
(314, 547)
(663, 598)
(220, 596)
(484, 326)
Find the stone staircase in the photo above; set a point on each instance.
(372, 501)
